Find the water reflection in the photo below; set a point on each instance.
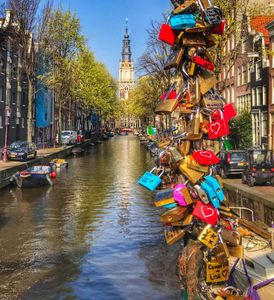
(94, 235)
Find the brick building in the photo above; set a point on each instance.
(13, 84)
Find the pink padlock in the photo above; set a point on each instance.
(178, 195)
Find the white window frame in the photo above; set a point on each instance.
(232, 100)
(264, 119)
(1, 122)
(264, 95)
(259, 99)
(254, 97)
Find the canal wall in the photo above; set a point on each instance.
(243, 196)
(6, 173)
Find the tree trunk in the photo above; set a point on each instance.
(30, 107)
(59, 122)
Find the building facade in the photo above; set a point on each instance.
(126, 81)
(270, 28)
(13, 84)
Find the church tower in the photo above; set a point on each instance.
(126, 69)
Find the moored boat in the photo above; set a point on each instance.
(59, 163)
(35, 176)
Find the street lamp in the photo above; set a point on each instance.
(7, 116)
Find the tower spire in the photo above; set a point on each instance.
(126, 51)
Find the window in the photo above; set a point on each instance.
(2, 65)
(1, 122)
(259, 96)
(24, 99)
(233, 71)
(264, 95)
(239, 76)
(228, 94)
(14, 98)
(272, 48)
(264, 124)
(244, 74)
(8, 97)
(23, 123)
(258, 70)
(254, 97)
(232, 94)
(2, 93)
(272, 90)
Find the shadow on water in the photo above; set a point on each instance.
(94, 235)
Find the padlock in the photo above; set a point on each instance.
(170, 206)
(167, 34)
(203, 63)
(188, 6)
(218, 128)
(213, 182)
(182, 21)
(217, 272)
(210, 41)
(213, 14)
(176, 155)
(220, 180)
(237, 251)
(174, 60)
(164, 197)
(193, 40)
(208, 237)
(211, 194)
(207, 81)
(194, 165)
(218, 29)
(192, 175)
(221, 250)
(150, 180)
(230, 237)
(196, 122)
(202, 195)
(181, 195)
(185, 222)
(177, 3)
(206, 213)
(229, 112)
(192, 69)
(174, 215)
(172, 236)
(184, 148)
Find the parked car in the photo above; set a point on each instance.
(21, 150)
(68, 137)
(260, 168)
(233, 162)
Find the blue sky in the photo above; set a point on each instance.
(103, 24)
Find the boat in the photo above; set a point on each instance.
(35, 176)
(59, 163)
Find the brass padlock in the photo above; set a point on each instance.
(184, 148)
(192, 175)
(217, 272)
(192, 69)
(194, 165)
(174, 214)
(196, 122)
(172, 236)
(237, 251)
(208, 237)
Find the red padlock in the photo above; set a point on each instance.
(206, 213)
(218, 29)
(205, 157)
(203, 63)
(218, 128)
(229, 112)
(167, 34)
(172, 95)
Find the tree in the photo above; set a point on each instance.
(145, 97)
(61, 42)
(25, 12)
(241, 130)
(94, 86)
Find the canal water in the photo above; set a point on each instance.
(94, 235)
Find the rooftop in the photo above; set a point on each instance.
(258, 25)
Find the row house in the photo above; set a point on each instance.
(13, 84)
(245, 81)
(270, 28)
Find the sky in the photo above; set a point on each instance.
(103, 25)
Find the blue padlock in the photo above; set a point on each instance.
(211, 194)
(170, 206)
(150, 180)
(180, 22)
(214, 183)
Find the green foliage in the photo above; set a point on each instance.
(94, 85)
(241, 130)
(145, 97)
